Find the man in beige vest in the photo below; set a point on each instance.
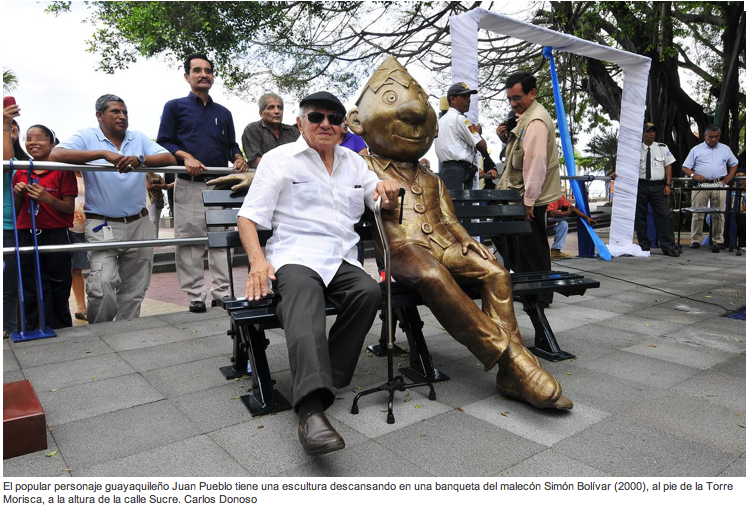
(531, 167)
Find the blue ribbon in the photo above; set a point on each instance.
(569, 153)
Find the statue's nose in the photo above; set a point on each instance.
(413, 111)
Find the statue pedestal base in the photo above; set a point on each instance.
(24, 422)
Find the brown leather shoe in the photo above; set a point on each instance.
(521, 377)
(317, 436)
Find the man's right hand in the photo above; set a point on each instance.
(257, 286)
(502, 132)
(193, 166)
(698, 177)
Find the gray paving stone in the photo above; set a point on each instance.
(265, 446)
(6, 345)
(194, 457)
(369, 459)
(216, 408)
(186, 316)
(717, 388)
(145, 338)
(12, 376)
(621, 447)
(550, 463)
(692, 355)
(469, 383)
(571, 317)
(79, 371)
(187, 378)
(88, 442)
(599, 334)
(682, 311)
(61, 351)
(637, 368)
(735, 469)
(95, 398)
(371, 421)
(718, 333)
(126, 326)
(641, 325)
(695, 420)
(545, 427)
(597, 390)
(9, 361)
(209, 327)
(735, 366)
(457, 444)
(170, 354)
(38, 464)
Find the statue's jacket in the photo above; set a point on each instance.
(428, 209)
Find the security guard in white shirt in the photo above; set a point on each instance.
(459, 141)
(654, 187)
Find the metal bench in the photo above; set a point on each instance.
(498, 220)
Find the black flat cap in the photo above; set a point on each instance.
(460, 89)
(649, 126)
(326, 99)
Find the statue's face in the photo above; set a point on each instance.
(396, 122)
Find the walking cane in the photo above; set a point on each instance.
(43, 331)
(394, 383)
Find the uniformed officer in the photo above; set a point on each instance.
(654, 187)
(459, 141)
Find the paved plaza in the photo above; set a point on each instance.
(659, 386)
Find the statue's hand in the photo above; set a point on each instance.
(477, 247)
(237, 182)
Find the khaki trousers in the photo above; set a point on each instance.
(189, 222)
(119, 277)
(700, 199)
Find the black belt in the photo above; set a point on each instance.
(652, 182)
(716, 180)
(465, 164)
(131, 218)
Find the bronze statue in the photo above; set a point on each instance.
(430, 247)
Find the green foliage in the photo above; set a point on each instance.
(10, 81)
(602, 149)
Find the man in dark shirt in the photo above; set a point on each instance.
(268, 133)
(200, 133)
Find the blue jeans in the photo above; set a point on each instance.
(10, 285)
(560, 234)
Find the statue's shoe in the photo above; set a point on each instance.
(521, 377)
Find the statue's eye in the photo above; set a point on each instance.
(422, 96)
(390, 97)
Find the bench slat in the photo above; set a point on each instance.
(221, 217)
(223, 198)
(488, 229)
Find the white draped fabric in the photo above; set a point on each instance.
(464, 28)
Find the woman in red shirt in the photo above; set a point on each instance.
(54, 193)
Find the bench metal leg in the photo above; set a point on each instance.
(545, 344)
(379, 350)
(420, 363)
(239, 366)
(263, 399)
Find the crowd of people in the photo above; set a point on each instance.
(90, 207)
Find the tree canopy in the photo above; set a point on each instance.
(289, 45)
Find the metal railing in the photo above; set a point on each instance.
(108, 245)
(211, 171)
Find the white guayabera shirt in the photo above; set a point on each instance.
(312, 214)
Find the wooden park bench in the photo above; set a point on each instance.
(497, 219)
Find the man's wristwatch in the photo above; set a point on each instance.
(141, 158)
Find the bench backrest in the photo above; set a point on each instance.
(482, 213)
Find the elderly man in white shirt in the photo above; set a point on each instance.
(311, 193)
(709, 163)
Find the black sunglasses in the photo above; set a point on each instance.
(316, 117)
